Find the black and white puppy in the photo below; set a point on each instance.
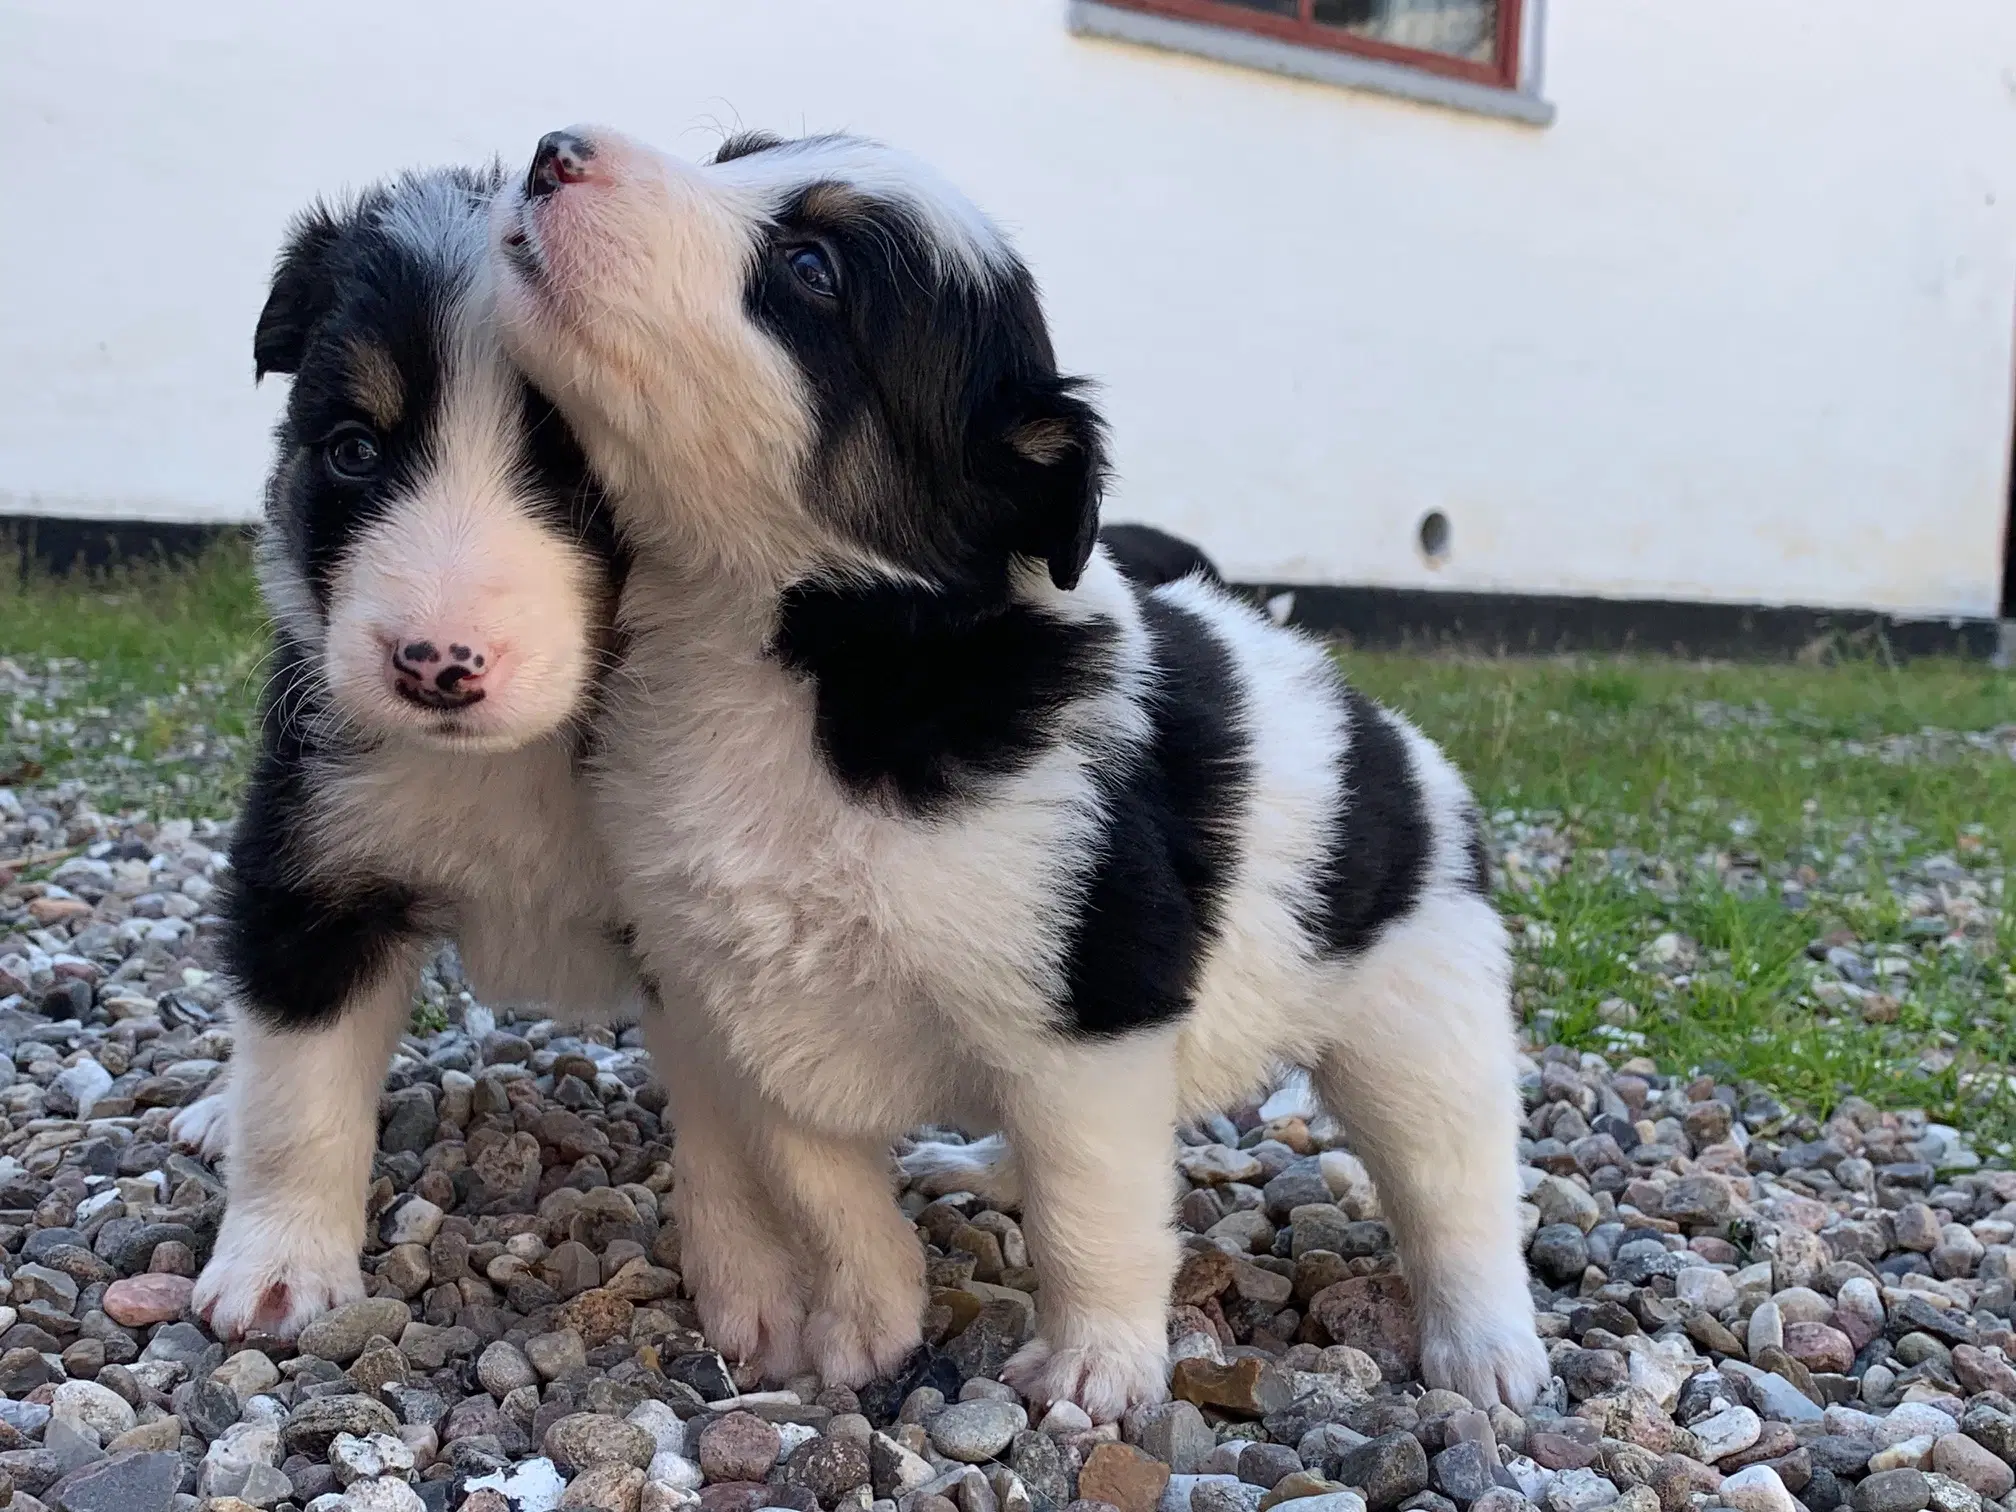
(923, 813)
(1152, 557)
(441, 570)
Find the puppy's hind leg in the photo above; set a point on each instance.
(744, 1276)
(1422, 1077)
(1094, 1128)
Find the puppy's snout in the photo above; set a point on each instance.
(440, 674)
(561, 158)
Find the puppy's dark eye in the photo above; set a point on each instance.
(351, 453)
(812, 266)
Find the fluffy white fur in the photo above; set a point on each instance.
(853, 971)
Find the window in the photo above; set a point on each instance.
(1473, 54)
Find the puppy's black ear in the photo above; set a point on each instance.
(303, 289)
(744, 143)
(1049, 454)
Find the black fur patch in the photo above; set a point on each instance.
(1155, 903)
(1379, 853)
(299, 943)
(924, 700)
(1478, 852)
(948, 441)
(347, 282)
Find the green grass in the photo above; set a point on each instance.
(140, 680)
(1745, 811)
(1622, 748)
(1749, 810)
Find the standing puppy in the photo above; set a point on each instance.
(923, 813)
(441, 571)
(1153, 557)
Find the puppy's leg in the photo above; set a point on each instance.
(732, 1248)
(1422, 1077)
(303, 1115)
(1094, 1133)
(868, 1292)
(987, 1168)
(205, 1125)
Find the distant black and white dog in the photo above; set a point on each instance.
(924, 813)
(441, 570)
(1153, 557)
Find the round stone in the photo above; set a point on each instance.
(829, 1467)
(554, 1354)
(1757, 1488)
(340, 1336)
(1893, 1491)
(137, 1301)
(582, 1439)
(1959, 1457)
(1560, 1252)
(1727, 1432)
(615, 1488)
(503, 1368)
(96, 1407)
(1818, 1346)
(738, 1446)
(977, 1431)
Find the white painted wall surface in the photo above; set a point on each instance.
(1737, 326)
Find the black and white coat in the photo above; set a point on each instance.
(442, 573)
(922, 813)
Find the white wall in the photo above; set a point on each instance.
(1737, 326)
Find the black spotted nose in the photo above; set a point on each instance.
(560, 158)
(437, 676)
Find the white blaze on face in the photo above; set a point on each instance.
(462, 556)
(628, 309)
(624, 294)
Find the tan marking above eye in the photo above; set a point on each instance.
(375, 384)
(833, 202)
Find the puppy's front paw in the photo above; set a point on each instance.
(273, 1277)
(869, 1313)
(1105, 1378)
(985, 1168)
(856, 1346)
(204, 1126)
(1489, 1355)
(753, 1311)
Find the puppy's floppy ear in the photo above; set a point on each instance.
(1048, 454)
(303, 288)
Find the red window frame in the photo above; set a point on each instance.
(1302, 29)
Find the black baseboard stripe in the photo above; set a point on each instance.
(53, 544)
(1531, 624)
(1381, 618)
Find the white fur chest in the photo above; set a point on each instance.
(506, 842)
(869, 961)
(511, 829)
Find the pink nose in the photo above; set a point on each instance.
(440, 674)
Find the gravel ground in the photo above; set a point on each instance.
(1745, 1307)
